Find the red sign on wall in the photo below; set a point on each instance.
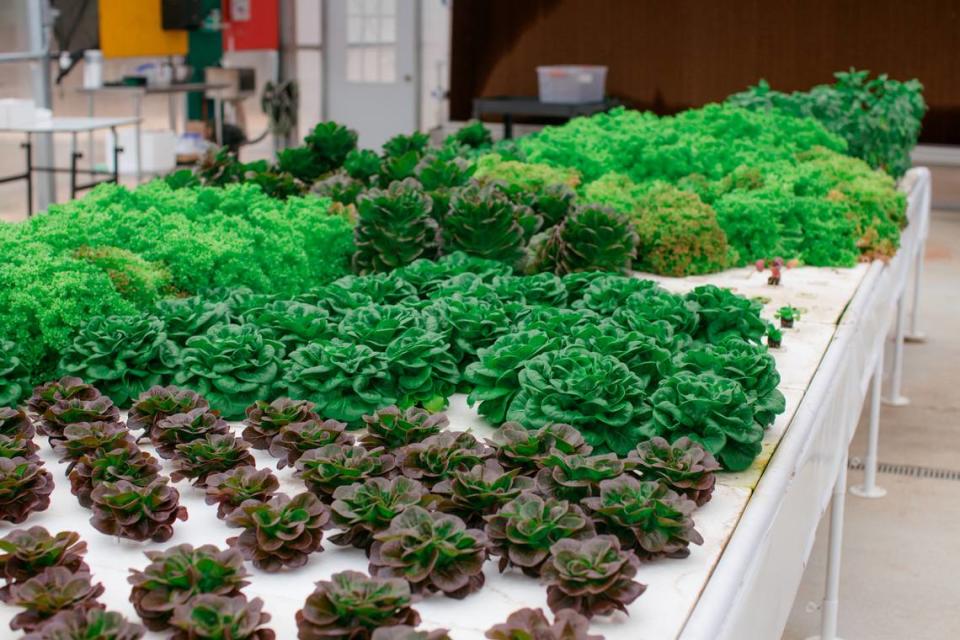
(251, 24)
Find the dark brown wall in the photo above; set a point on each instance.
(669, 55)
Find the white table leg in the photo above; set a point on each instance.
(869, 488)
(914, 334)
(896, 399)
(90, 149)
(831, 598)
(137, 103)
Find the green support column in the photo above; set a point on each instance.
(205, 50)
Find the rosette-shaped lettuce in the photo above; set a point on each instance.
(591, 238)
(55, 589)
(427, 275)
(214, 453)
(684, 466)
(123, 355)
(87, 624)
(25, 487)
(296, 439)
(527, 449)
(654, 304)
(73, 411)
(265, 419)
(181, 428)
(592, 577)
(291, 322)
(229, 489)
(279, 532)
(750, 365)
(392, 428)
(529, 624)
(722, 313)
(434, 552)
(710, 410)
(495, 377)
(157, 403)
(136, 512)
(345, 380)
(423, 370)
(378, 326)
(184, 318)
(595, 393)
(555, 321)
(364, 508)
(231, 366)
(406, 632)
(335, 299)
(540, 288)
(576, 476)
(469, 322)
(481, 490)
(522, 531)
(86, 437)
(647, 517)
(179, 574)
(14, 377)
(394, 228)
(353, 605)
(25, 553)
(380, 288)
(484, 222)
(15, 423)
(48, 394)
(644, 357)
(127, 463)
(437, 457)
(211, 617)
(338, 465)
(606, 294)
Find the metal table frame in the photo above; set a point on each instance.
(510, 106)
(73, 126)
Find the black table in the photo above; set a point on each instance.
(529, 106)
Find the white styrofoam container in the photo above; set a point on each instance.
(17, 112)
(159, 154)
(571, 84)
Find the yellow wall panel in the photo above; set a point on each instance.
(132, 28)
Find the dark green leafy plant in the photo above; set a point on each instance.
(353, 605)
(647, 517)
(338, 465)
(428, 275)
(181, 428)
(340, 188)
(89, 624)
(55, 589)
(157, 403)
(595, 393)
(577, 476)
(379, 288)
(362, 164)
(522, 531)
(527, 449)
(66, 388)
(127, 463)
(592, 577)
(364, 508)
(537, 289)
(187, 317)
(25, 487)
(710, 410)
(473, 134)
(530, 624)
(483, 222)
(400, 144)
(127, 510)
(641, 354)
(722, 313)
(14, 423)
(291, 322)
(231, 366)
(591, 238)
(74, 410)
(479, 491)
(265, 419)
(299, 162)
(296, 439)
(433, 551)
(330, 144)
(471, 323)
(123, 355)
(25, 553)
(177, 575)
(399, 168)
(213, 453)
(438, 173)
(392, 428)
(684, 466)
(14, 376)
(437, 457)
(82, 438)
(211, 617)
(394, 228)
(229, 489)
(280, 532)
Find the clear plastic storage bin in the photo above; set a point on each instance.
(572, 84)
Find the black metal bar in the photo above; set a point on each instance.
(74, 156)
(80, 172)
(117, 149)
(29, 148)
(507, 126)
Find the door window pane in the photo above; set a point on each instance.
(371, 41)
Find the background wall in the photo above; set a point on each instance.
(669, 56)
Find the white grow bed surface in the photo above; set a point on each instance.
(673, 585)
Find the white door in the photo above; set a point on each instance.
(371, 67)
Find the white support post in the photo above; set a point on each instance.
(869, 488)
(831, 598)
(895, 398)
(914, 334)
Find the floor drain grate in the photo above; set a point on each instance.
(908, 470)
